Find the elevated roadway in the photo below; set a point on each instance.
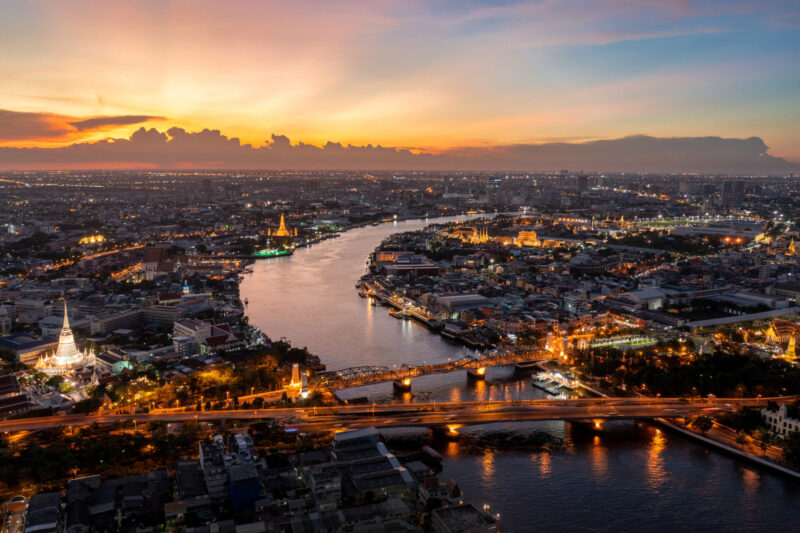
(421, 414)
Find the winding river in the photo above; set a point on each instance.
(631, 477)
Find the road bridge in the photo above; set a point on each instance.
(401, 377)
(368, 375)
(421, 414)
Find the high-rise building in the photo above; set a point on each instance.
(582, 184)
(732, 193)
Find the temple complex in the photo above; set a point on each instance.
(67, 358)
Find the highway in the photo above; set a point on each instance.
(420, 414)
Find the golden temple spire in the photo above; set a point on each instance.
(282, 231)
(791, 354)
(66, 318)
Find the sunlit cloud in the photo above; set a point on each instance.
(177, 148)
(23, 128)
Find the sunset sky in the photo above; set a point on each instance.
(421, 75)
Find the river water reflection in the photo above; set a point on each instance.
(629, 478)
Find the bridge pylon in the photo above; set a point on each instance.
(402, 385)
(476, 374)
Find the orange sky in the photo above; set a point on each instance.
(408, 74)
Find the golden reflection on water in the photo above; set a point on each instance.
(455, 394)
(655, 461)
(487, 466)
(599, 456)
(370, 314)
(481, 390)
(452, 448)
(544, 461)
(499, 390)
(752, 481)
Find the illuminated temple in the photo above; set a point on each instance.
(282, 231)
(67, 358)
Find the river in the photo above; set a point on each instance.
(630, 477)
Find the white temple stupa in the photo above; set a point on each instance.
(67, 357)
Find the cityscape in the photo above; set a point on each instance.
(433, 304)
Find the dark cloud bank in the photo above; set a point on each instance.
(177, 148)
(18, 125)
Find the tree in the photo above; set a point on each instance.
(741, 439)
(86, 406)
(764, 438)
(703, 423)
(54, 382)
(791, 448)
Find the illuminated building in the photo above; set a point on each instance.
(470, 234)
(67, 357)
(92, 239)
(790, 353)
(527, 238)
(282, 231)
(781, 331)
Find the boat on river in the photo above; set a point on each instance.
(397, 313)
(542, 381)
(269, 253)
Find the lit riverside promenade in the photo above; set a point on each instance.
(423, 414)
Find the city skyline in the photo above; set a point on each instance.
(454, 82)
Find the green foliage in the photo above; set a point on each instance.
(721, 374)
(89, 405)
(7, 355)
(531, 336)
(55, 382)
(763, 437)
(793, 409)
(791, 448)
(746, 419)
(665, 241)
(703, 423)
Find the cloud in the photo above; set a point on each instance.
(177, 148)
(101, 122)
(21, 126)
(16, 125)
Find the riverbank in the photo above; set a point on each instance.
(728, 447)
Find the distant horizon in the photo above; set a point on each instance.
(176, 149)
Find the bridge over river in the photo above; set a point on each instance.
(402, 376)
(420, 414)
